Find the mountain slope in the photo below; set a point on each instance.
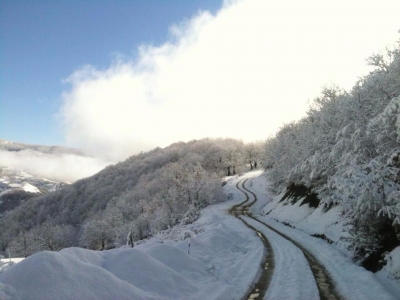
(224, 261)
(146, 193)
(21, 168)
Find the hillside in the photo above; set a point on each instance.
(17, 186)
(27, 171)
(344, 156)
(219, 256)
(146, 193)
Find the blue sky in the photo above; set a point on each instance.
(71, 72)
(44, 42)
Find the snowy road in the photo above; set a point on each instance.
(304, 267)
(292, 278)
(268, 263)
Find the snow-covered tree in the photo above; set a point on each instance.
(347, 150)
(43, 237)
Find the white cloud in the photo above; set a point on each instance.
(60, 167)
(240, 73)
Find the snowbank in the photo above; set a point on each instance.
(224, 260)
(393, 264)
(314, 221)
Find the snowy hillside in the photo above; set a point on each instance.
(343, 158)
(222, 262)
(27, 182)
(143, 195)
(18, 186)
(27, 171)
(217, 257)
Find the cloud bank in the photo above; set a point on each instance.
(61, 167)
(240, 73)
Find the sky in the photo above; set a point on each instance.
(120, 77)
(43, 42)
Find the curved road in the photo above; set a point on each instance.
(286, 266)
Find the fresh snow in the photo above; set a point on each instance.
(352, 281)
(292, 277)
(12, 179)
(393, 263)
(223, 262)
(30, 188)
(314, 221)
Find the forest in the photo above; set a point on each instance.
(129, 201)
(347, 151)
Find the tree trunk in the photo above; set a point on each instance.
(25, 247)
(229, 172)
(131, 238)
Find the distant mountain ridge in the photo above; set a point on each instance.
(18, 185)
(16, 147)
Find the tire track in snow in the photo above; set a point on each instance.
(324, 282)
(268, 263)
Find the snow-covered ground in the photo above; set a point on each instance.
(223, 261)
(14, 179)
(352, 281)
(17, 186)
(292, 277)
(314, 221)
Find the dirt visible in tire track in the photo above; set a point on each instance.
(324, 282)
